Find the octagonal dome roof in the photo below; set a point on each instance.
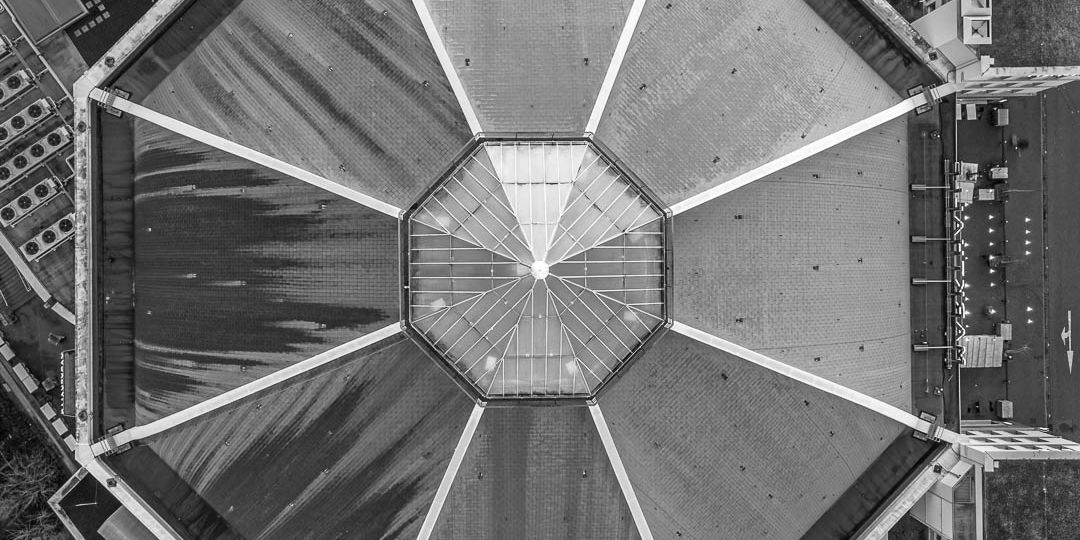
(269, 200)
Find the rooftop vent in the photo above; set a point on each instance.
(29, 201)
(49, 239)
(977, 30)
(38, 152)
(14, 85)
(18, 124)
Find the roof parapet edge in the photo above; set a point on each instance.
(131, 500)
(56, 498)
(915, 486)
(909, 36)
(131, 42)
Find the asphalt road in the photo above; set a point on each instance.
(1062, 172)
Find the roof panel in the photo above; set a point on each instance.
(811, 265)
(1045, 33)
(874, 41)
(535, 472)
(41, 18)
(348, 90)
(241, 271)
(710, 90)
(717, 447)
(353, 449)
(1032, 499)
(527, 65)
(903, 458)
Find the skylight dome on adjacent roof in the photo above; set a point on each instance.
(536, 268)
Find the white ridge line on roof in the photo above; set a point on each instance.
(895, 413)
(241, 151)
(815, 147)
(447, 65)
(620, 472)
(246, 390)
(451, 472)
(613, 67)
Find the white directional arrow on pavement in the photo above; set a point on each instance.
(1066, 339)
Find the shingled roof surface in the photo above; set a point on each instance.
(349, 90)
(821, 272)
(244, 271)
(720, 448)
(527, 65)
(353, 450)
(241, 270)
(536, 472)
(709, 90)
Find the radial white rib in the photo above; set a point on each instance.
(821, 383)
(239, 150)
(447, 65)
(241, 392)
(451, 473)
(620, 472)
(815, 147)
(613, 67)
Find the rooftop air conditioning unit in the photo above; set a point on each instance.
(24, 120)
(29, 201)
(48, 240)
(38, 152)
(13, 85)
(977, 30)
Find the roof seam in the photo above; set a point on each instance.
(620, 471)
(242, 151)
(258, 385)
(447, 482)
(815, 147)
(889, 411)
(615, 65)
(447, 64)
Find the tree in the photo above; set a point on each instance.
(29, 475)
(41, 525)
(21, 479)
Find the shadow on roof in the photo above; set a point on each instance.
(355, 448)
(240, 270)
(717, 447)
(535, 472)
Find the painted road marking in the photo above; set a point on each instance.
(1066, 339)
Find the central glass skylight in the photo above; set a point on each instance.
(536, 268)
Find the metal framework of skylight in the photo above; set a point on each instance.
(536, 268)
